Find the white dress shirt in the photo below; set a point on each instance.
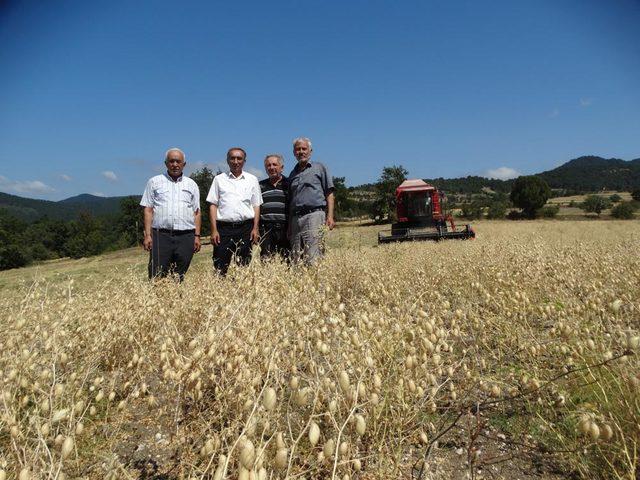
(235, 197)
(174, 202)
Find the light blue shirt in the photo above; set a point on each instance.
(174, 202)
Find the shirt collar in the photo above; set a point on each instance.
(170, 178)
(308, 165)
(232, 176)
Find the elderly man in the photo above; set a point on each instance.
(171, 204)
(235, 200)
(273, 213)
(310, 203)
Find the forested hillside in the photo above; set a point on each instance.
(592, 174)
(31, 209)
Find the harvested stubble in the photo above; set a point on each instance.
(351, 369)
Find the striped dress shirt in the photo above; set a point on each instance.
(174, 202)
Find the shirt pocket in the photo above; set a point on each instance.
(245, 193)
(186, 197)
(161, 194)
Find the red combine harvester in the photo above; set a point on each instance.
(421, 216)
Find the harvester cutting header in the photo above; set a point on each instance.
(421, 214)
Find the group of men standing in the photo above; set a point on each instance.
(285, 215)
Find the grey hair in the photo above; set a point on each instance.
(276, 155)
(174, 149)
(302, 139)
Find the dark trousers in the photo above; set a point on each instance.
(235, 239)
(171, 252)
(273, 239)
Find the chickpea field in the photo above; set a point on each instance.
(508, 356)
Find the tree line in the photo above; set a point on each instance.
(22, 243)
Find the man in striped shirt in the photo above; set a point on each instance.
(273, 213)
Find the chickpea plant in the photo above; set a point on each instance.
(359, 368)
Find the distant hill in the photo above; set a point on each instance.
(472, 184)
(583, 174)
(30, 209)
(591, 174)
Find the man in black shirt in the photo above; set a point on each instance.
(273, 213)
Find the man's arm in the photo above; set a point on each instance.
(213, 215)
(256, 201)
(147, 243)
(197, 219)
(255, 232)
(330, 201)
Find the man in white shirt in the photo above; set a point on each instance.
(235, 200)
(171, 204)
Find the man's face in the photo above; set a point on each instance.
(273, 168)
(175, 164)
(236, 160)
(302, 152)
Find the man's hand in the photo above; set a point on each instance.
(147, 243)
(255, 235)
(330, 222)
(215, 237)
(196, 244)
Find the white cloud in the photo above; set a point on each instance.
(98, 194)
(65, 177)
(586, 102)
(554, 113)
(27, 186)
(502, 173)
(109, 175)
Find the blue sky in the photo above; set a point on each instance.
(93, 93)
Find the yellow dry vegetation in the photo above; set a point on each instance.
(421, 360)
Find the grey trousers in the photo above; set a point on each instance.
(307, 237)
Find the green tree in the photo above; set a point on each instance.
(623, 211)
(384, 205)
(615, 198)
(473, 210)
(595, 204)
(343, 204)
(530, 193)
(13, 256)
(204, 179)
(13, 248)
(550, 211)
(130, 221)
(497, 209)
(88, 236)
(635, 194)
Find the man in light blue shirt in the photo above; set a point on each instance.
(171, 204)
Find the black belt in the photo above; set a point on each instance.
(242, 223)
(174, 232)
(300, 211)
(272, 223)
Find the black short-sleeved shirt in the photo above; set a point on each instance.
(310, 186)
(274, 208)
